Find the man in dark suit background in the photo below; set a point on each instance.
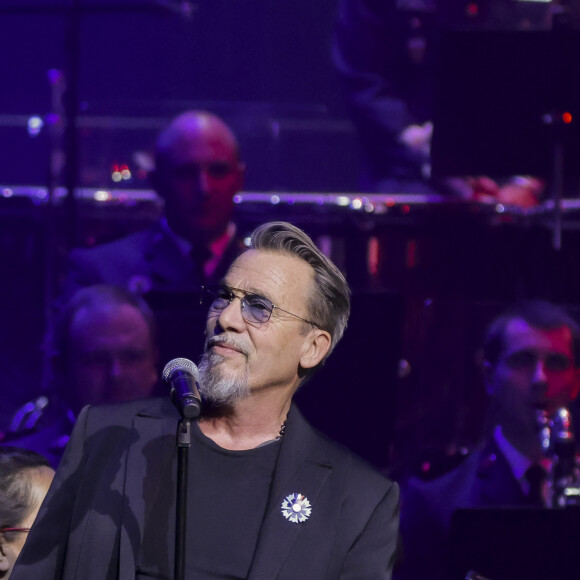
(197, 173)
(103, 349)
(269, 497)
(531, 368)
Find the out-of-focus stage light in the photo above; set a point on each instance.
(34, 125)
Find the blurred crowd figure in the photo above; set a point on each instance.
(25, 478)
(197, 173)
(385, 52)
(132, 303)
(531, 364)
(103, 349)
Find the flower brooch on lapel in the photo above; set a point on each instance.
(296, 508)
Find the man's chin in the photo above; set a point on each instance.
(224, 395)
(219, 384)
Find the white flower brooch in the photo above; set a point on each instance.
(296, 508)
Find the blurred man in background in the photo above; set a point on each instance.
(531, 367)
(197, 173)
(103, 349)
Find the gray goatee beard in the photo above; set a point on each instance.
(217, 388)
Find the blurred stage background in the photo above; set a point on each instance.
(428, 274)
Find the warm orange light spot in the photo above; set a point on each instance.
(567, 118)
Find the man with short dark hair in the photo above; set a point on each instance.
(269, 497)
(530, 370)
(25, 478)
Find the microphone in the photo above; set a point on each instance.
(181, 375)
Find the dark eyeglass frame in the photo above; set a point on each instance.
(247, 307)
(14, 530)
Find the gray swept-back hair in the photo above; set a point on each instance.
(329, 303)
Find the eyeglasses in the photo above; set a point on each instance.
(215, 169)
(256, 309)
(14, 530)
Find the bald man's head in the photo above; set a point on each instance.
(198, 172)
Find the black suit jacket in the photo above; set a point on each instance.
(485, 479)
(150, 263)
(91, 523)
(145, 261)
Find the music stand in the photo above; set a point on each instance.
(515, 543)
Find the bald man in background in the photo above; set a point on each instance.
(197, 173)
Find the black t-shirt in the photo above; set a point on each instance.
(227, 498)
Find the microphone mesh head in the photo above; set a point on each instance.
(179, 364)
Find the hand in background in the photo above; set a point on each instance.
(418, 138)
(522, 191)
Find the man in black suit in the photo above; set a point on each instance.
(269, 497)
(197, 173)
(531, 368)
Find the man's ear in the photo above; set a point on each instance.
(4, 560)
(316, 347)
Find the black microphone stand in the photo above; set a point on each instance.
(183, 446)
(182, 374)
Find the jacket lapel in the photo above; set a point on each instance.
(167, 264)
(302, 470)
(150, 456)
(496, 482)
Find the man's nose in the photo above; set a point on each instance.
(540, 375)
(203, 181)
(115, 367)
(230, 317)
